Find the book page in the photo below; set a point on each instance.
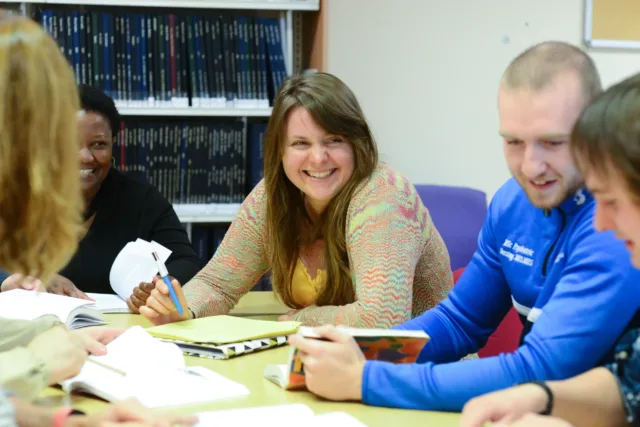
(137, 351)
(108, 303)
(337, 419)
(153, 372)
(281, 415)
(30, 305)
(223, 329)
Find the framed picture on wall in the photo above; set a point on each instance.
(612, 24)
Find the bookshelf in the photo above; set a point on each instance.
(194, 106)
(292, 5)
(194, 112)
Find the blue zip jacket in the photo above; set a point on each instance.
(576, 286)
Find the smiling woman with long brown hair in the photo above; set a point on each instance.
(347, 238)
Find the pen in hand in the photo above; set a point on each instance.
(164, 274)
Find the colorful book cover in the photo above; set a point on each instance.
(393, 346)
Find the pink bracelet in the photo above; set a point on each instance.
(61, 416)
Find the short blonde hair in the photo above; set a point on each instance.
(40, 200)
(537, 67)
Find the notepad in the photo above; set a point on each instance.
(292, 415)
(224, 337)
(29, 305)
(108, 303)
(154, 373)
(389, 345)
(223, 329)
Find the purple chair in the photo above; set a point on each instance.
(458, 213)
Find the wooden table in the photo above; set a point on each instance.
(248, 370)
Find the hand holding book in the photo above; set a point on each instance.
(333, 364)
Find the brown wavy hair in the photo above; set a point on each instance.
(606, 137)
(40, 199)
(335, 108)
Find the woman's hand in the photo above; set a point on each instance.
(18, 281)
(95, 338)
(62, 286)
(289, 315)
(140, 294)
(159, 308)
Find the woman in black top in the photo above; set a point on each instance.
(119, 209)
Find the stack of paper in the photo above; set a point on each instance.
(293, 415)
(29, 305)
(133, 265)
(222, 337)
(139, 366)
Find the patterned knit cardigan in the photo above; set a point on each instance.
(399, 262)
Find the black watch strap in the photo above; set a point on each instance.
(547, 390)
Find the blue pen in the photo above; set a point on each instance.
(162, 270)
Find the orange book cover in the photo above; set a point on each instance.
(395, 346)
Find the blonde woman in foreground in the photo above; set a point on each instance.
(40, 216)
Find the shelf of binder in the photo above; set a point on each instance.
(212, 107)
(209, 213)
(309, 5)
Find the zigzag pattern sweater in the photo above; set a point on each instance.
(398, 260)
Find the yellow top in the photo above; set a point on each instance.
(306, 289)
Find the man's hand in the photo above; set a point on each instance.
(18, 281)
(95, 338)
(63, 353)
(333, 369)
(62, 286)
(534, 420)
(140, 295)
(130, 413)
(504, 407)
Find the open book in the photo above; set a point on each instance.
(292, 415)
(389, 345)
(29, 305)
(132, 266)
(222, 337)
(137, 365)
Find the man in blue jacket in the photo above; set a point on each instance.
(537, 251)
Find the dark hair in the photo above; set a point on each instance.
(95, 100)
(607, 134)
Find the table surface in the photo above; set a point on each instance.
(248, 370)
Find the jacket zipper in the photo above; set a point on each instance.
(555, 242)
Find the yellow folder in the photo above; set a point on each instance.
(223, 330)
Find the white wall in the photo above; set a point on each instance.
(426, 73)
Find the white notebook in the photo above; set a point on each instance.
(108, 303)
(29, 305)
(151, 371)
(133, 265)
(292, 415)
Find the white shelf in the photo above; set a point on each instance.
(195, 112)
(309, 5)
(216, 212)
